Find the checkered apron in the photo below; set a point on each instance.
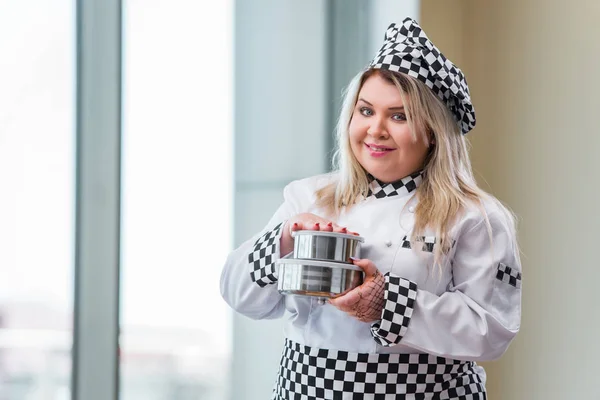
(312, 373)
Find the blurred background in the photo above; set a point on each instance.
(142, 140)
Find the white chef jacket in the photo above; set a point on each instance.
(470, 311)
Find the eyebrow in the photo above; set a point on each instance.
(391, 108)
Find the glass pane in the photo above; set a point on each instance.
(177, 199)
(37, 43)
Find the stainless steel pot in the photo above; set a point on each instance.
(326, 246)
(317, 278)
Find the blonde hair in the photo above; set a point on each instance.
(448, 184)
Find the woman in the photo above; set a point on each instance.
(442, 285)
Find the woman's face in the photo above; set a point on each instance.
(380, 137)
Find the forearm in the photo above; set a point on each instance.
(256, 299)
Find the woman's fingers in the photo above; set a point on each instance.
(366, 265)
(366, 301)
(325, 226)
(313, 222)
(350, 298)
(328, 227)
(296, 226)
(346, 231)
(347, 301)
(339, 229)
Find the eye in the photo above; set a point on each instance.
(399, 117)
(366, 111)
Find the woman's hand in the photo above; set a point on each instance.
(365, 302)
(309, 222)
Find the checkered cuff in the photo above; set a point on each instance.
(263, 257)
(400, 295)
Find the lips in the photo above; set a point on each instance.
(378, 151)
(376, 147)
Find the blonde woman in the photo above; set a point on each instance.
(442, 287)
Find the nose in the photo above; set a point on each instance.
(377, 129)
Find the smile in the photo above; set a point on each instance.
(378, 151)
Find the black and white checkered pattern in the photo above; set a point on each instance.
(263, 257)
(400, 295)
(401, 187)
(509, 275)
(428, 243)
(312, 373)
(407, 49)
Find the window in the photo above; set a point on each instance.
(37, 200)
(177, 199)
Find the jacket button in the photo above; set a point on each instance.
(411, 209)
(388, 243)
(321, 301)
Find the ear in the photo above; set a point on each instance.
(430, 136)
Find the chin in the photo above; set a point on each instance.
(383, 177)
(378, 173)
(386, 174)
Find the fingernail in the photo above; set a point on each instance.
(317, 224)
(330, 224)
(354, 258)
(344, 230)
(295, 225)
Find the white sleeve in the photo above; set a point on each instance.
(479, 315)
(249, 277)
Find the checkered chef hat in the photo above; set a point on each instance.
(407, 49)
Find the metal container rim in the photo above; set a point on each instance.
(317, 263)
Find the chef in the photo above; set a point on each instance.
(442, 286)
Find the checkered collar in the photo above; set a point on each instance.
(400, 187)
